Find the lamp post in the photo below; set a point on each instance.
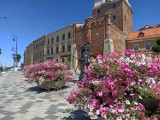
(84, 59)
(15, 55)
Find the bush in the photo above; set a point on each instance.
(113, 87)
(47, 72)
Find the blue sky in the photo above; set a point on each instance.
(30, 19)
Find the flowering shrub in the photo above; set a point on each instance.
(113, 87)
(47, 73)
(27, 70)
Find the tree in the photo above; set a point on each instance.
(18, 57)
(0, 51)
(158, 41)
(156, 47)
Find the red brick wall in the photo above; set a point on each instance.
(97, 38)
(118, 38)
(127, 18)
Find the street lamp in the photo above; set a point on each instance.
(85, 49)
(15, 55)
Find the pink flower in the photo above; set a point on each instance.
(69, 100)
(155, 118)
(110, 81)
(74, 94)
(129, 52)
(120, 109)
(140, 106)
(113, 54)
(141, 114)
(146, 119)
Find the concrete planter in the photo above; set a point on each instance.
(151, 105)
(54, 84)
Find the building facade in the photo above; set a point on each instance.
(38, 49)
(28, 55)
(144, 39)
(58, 45)
(106, 31)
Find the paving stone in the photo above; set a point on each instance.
(2, 115)
(26, 106)
(7, 118)
(23, 101)
(23, 111)
(51, 112)
(51, 117)
(38, 118)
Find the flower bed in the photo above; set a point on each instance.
(48, 75)
(115, 88)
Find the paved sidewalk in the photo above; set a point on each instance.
(20, 100)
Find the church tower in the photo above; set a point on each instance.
(119, 10)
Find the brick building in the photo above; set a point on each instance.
(144, 39)
(107, 29)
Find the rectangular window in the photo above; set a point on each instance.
(57, 49)
(63, 37)
(43, 42)
(98, 11)
(57, 40)
(48, 41)
(69, 59)
(52, 51)
(69, 48)
(147, 46)
(39, 53)
(42, 53)
(63, 48)
(48, 51)
(136, 46)
(69, 35)
(52, 40)
(62, 59)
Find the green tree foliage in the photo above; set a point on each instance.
(156, 47)
(158, 41)
(0, 51)
(18, 57)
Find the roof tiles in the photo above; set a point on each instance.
(147, 33)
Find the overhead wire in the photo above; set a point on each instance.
(19, 11)
(14, 13)
(5, 18)
(10, 30)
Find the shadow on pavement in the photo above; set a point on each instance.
(41, 90)
(77, 115)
